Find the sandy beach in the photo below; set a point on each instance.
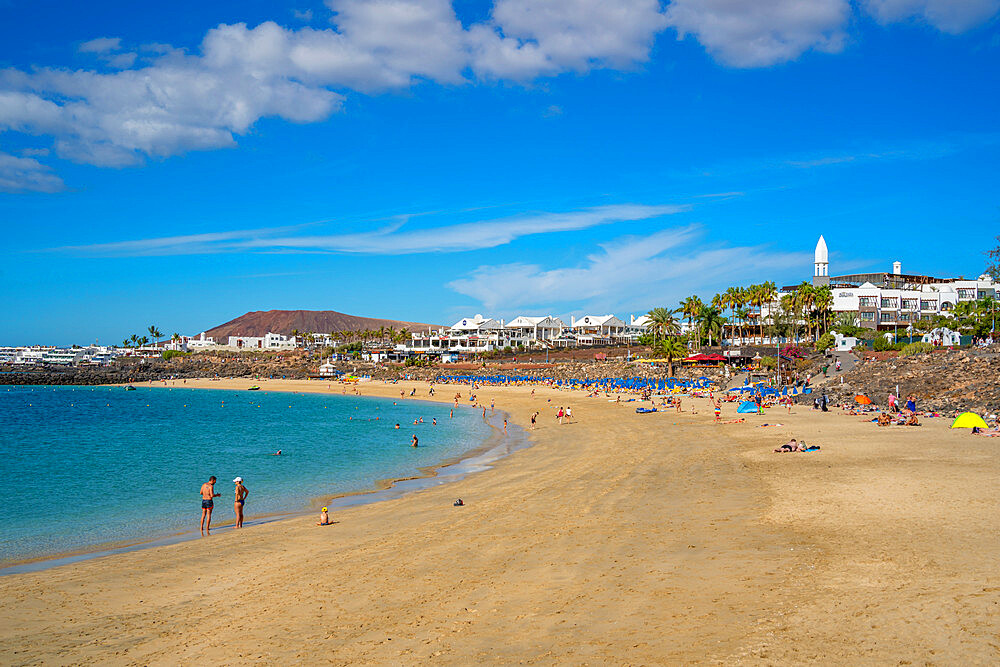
(617, 538)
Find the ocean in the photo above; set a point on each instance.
(89, 467)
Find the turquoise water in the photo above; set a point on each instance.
(87, 466)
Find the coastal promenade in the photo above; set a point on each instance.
(617, 538)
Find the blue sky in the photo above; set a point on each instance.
(424, 160)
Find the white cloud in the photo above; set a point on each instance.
(526, 38)
(951, 16)
(188, 244)
(174, 106)
(177, 101)
(303, 15)
(630, 272)
(392, 240)
(25, 174)
(121, 60)
(101, 45)
(471, 235)
(764, 32)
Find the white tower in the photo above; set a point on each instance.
(821, 266)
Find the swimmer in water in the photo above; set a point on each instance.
(415, 441)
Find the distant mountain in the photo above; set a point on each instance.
(260, 322)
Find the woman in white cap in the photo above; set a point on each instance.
(241, 497)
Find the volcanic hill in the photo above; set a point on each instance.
(260, 322)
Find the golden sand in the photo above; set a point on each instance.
(619, 538)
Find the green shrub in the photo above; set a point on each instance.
(170, 354)
(825, 341)
(769, 362)
(881, 344)
(915, 348)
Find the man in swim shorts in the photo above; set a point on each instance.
(241, 497)
(207, 493)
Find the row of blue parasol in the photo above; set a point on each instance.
(633, 384)
(765, 390)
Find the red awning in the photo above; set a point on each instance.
(706, 357)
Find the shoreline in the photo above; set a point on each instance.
(621, 538)
(473, 460)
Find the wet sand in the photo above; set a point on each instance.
(624, 538)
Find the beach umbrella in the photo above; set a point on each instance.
(968, 420)
(862, 399)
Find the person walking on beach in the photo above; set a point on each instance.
(559, 416)
(241, 497)
(207, 493)
(534, 416)
(569, 414)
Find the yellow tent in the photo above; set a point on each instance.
(968, 420)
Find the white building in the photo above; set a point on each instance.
(63, 356)
(201, 342)
(269, 341)
(536, 328)
(893, 299)
(599, 330)
(468, 335)
(943, 336)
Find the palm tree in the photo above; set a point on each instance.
(672, 348)
(135, 340)
(847, 319)
(295, 335)
(790, 306)
(143, 341)
(663, 322)
(769, 292)
(823, 302)
(690, 307)
(728, 300)
(805, 295)
(125, 342)
(710, 321)
(755, 300)
(742, 314)
(155, 333)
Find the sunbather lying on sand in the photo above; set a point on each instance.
(790, 446)
(794, 446)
